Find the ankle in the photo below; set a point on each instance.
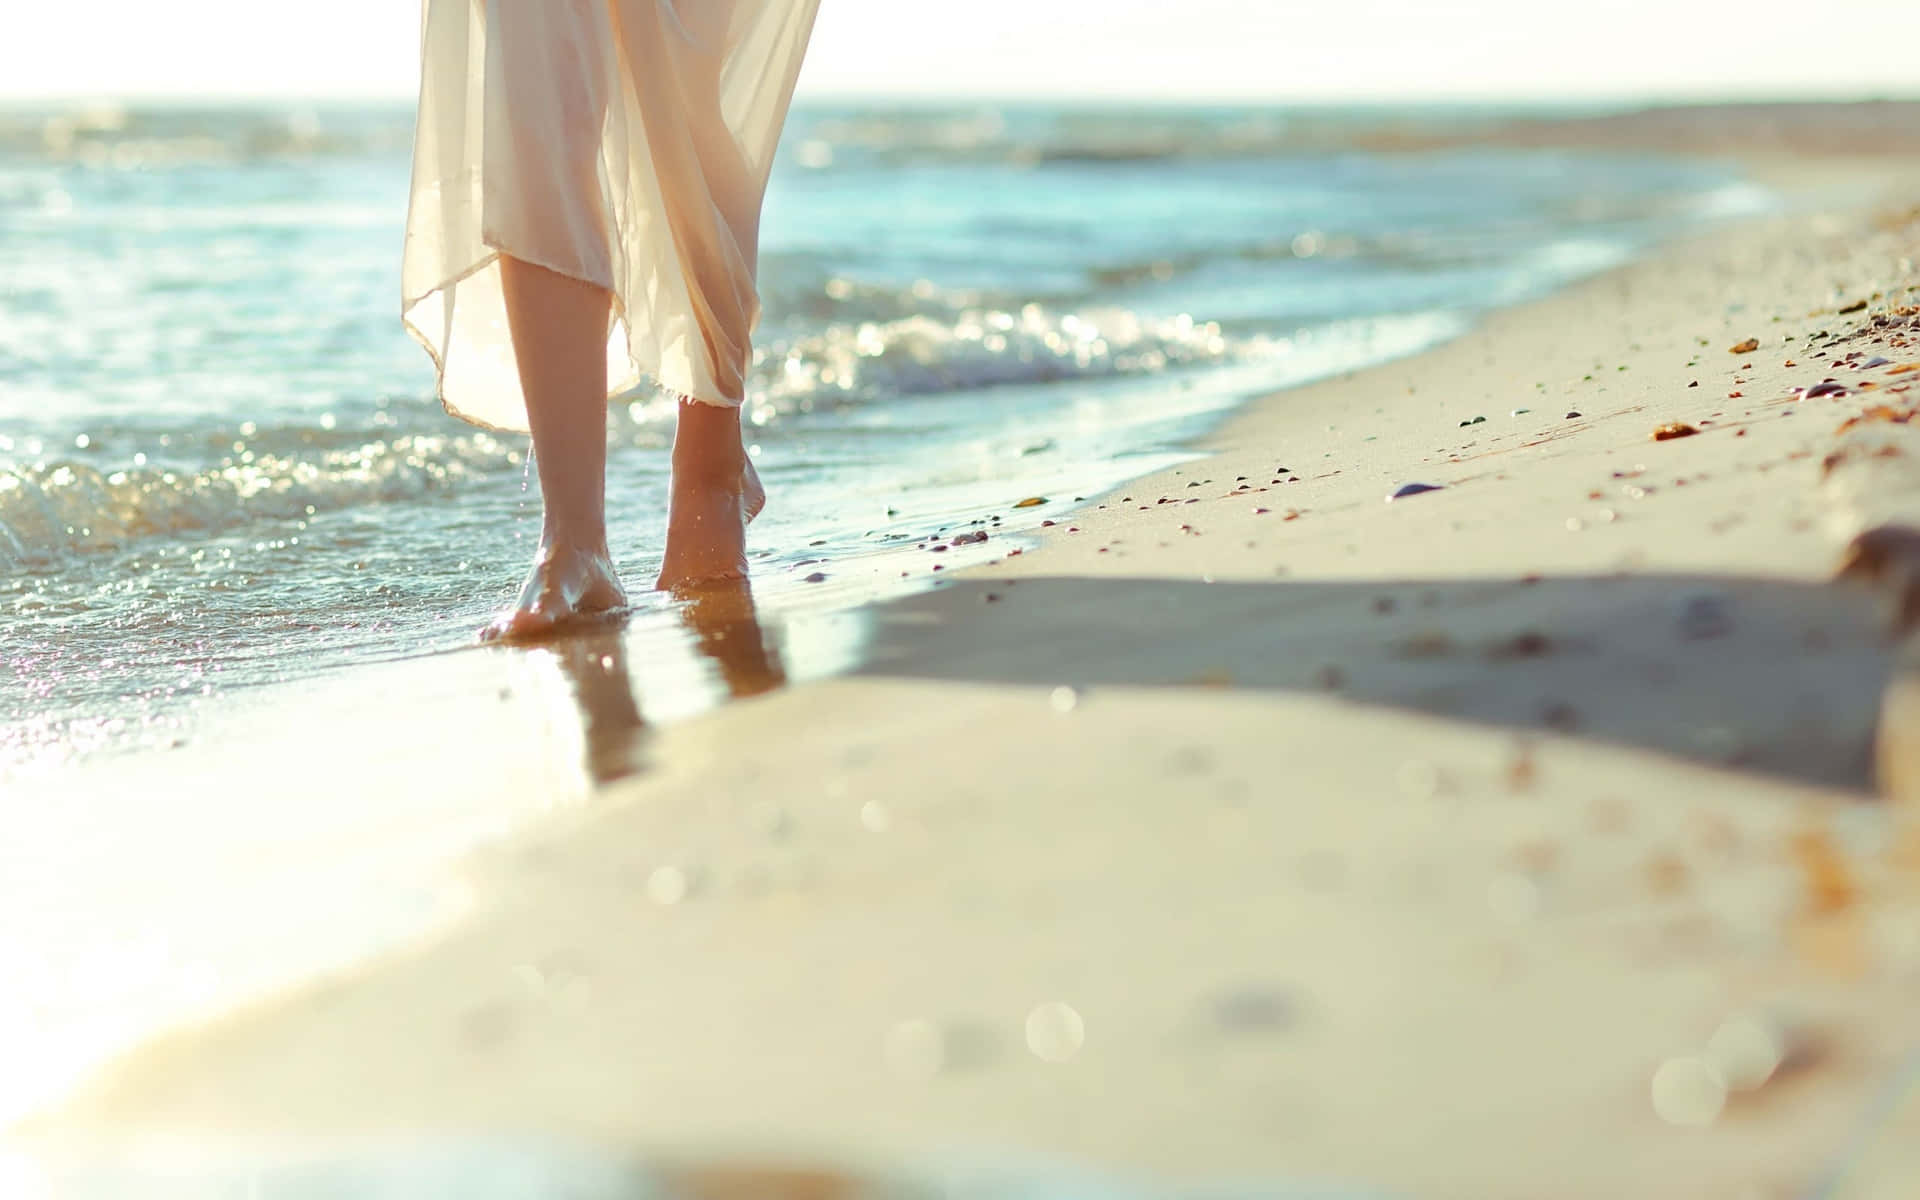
(574, 539)
(709, 465)
(707, 446)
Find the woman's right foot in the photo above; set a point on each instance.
(564, 584)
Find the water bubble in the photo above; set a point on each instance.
(1055, 1031)
(1688, 1091)
(1064, 699)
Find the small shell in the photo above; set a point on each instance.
(1827, 388)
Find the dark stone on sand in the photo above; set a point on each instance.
(970, 539)
(1413, 489)
(816, 577)
(1572, 416)
(1254, 1010)
(1856, 306)
(1523, 645)
(1826, 388)
(1705, 617)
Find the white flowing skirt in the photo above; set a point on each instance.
(622, 142)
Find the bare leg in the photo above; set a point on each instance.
(559, 326)
(715, 493)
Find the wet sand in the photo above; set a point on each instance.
(1515, 838)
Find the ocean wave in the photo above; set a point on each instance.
(980, 348)
(54, 507)
(50, 509)
(129, 136)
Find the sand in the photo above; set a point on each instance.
(1489, 842)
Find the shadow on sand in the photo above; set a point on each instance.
(1773, 677)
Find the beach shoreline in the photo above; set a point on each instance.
(1055, 869)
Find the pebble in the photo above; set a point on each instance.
(970, 539)
(1030, 502)
(1064, 699)
(1572, 416)
(1747, 1050)
(816, 577)
(1746, 347)
(1055, 1032)
(1825, 388)
(1413, 489)
(1519, 412)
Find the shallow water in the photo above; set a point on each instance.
(221, 466)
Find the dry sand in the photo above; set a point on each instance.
(1254, 827)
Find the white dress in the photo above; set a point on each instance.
(623, 142)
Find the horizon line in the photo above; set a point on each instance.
(1725, 98)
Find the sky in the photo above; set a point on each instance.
(1244, 50)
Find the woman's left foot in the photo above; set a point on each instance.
(707, 517)
(715, 492)
(564, 585)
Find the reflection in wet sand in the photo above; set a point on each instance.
(724, 628)
(610, 722)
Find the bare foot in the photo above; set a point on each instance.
(564, 584)
(707, 521)
(715, 492)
